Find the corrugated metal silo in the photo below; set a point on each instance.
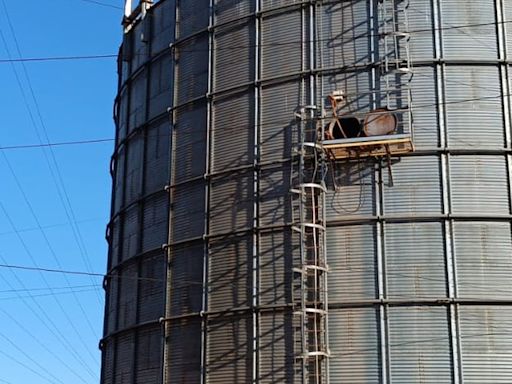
(206, 265)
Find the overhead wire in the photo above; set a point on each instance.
(57, 144)
(250, 46)
(27, 367)
(56, 172)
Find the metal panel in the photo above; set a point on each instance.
(352, 189)
(137, 111)
(151, 285)
(425, 106)
(227, 10)
(188, 211)
(155, 222)
(419, 343)
(352, 262)
(233, 132)
(484, 265)
(234, 55)
(131, 232)
(277, 349)
(162, 30)
(124, 358)
(469, 31)
(185, 354)
(344, 34)
(231, 202)
(112, 305)
(140, 47)
(230, 273)
(186, 278)
(116, 241)
(134, 166)
(486, 343)
(160, 86)
(107, 362)
(415, 261)
(190, 142)
(420, 18)
(356, 85)
(119, 179)
(275, 267)
(474, 107)
(229, 350)
(122, 123)
(278, 125)
(149, 358)
(156, 165)
(416, 188)
(274, 196)
(192, 68)
(281, 46)
(193, 17)
(355, 346)
(479, 184)
(127, 283)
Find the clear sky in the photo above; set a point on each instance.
(54, 204)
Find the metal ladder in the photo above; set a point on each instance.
(396, 69)
(310, 271)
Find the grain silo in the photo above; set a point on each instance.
(311, 192)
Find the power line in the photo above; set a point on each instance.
(57, 144)
(248, 46)
(102, 4)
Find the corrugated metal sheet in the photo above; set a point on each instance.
(478, 39)
(278, 124)
(151, 287)
(187, 210)
(281, 46)
(119, 179)
(479, 185)
(228, 10)
(474, 107)
(112, 303)
(421, 26)
(416, 186)
(276, 250)
(486, 343)
(192, 17)
(352, 259)
(277, 348)
(484, 265)
(352, 189)
(415, 260)
(344, 33)
(156, 165)
(274, 196)
(190, 142)
(149, 358)
(139, 44)
(231, 202)
(270, 4)
(233, 132)
(192, 68)
(131, 233)
(127, 283)
(162, 30)
(134, 166)
(107, 363)
(186, 278)
(155, 222)
(230, 273)
(355, 346)
(123, 115)
(184, 361)
(507, 15)
(116, 243)
(160, 86)
(234, 55)
(424, 104)
(229, 350)
(124, 358)
(137, 111)
(419, 343)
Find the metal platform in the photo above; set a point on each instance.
(368, 146)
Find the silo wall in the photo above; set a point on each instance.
(200, 284)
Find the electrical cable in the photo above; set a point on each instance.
(57, 144)
(102, 4)
(56, 175)
(249, 46)
(26, 367)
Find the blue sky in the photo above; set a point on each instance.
(54, 204)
